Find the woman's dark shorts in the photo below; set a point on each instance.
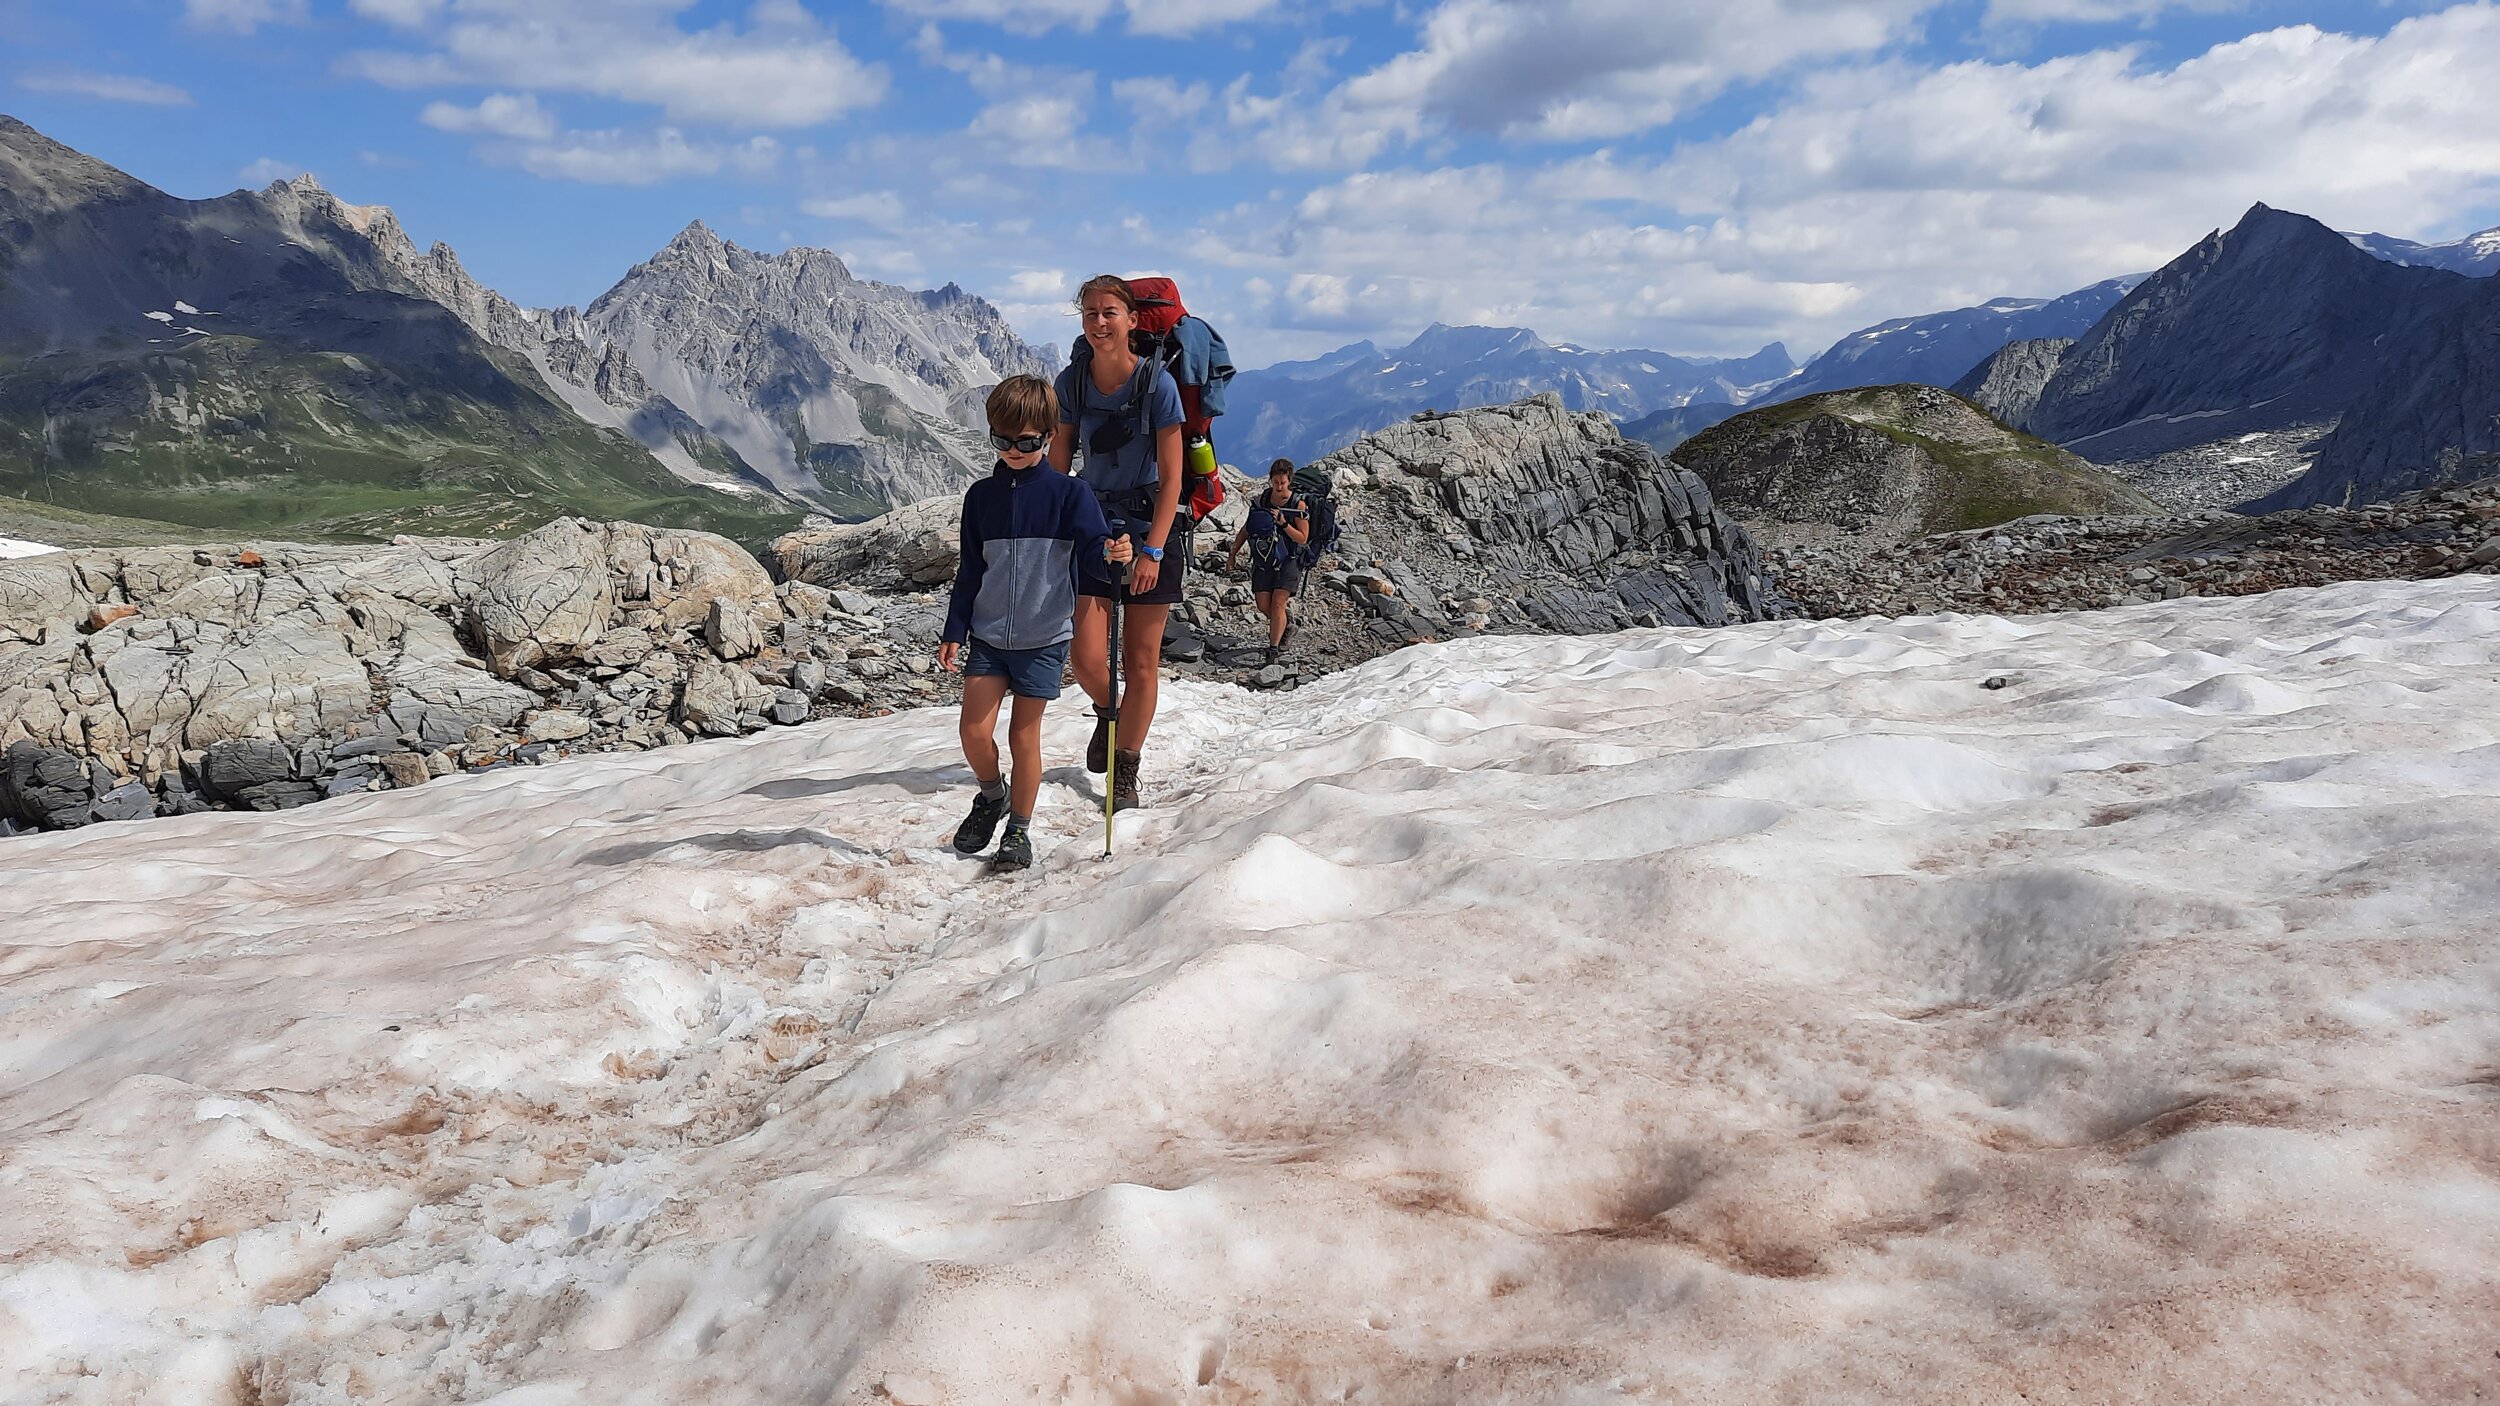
(1030, 673)
(1283, 575)
(1167, 591)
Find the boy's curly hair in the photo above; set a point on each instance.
(1023, 405)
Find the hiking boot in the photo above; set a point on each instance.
(1098, 751)
(1124, 782)
(1015, 850)
(1272, 651)
(973, 836)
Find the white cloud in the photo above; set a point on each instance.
(1035, 284)
(243, 16)
(1036, 114)
(111, 87)
(407, 14)
(1559, 70)
(1157, 17)
(500, 115)
(782, 70)
(633, 159)
(1892, 189)
(268, 169)
(882, 208)
(2095, 11)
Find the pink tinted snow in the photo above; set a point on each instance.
(1762, 1014)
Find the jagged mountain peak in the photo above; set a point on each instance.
(697, 235)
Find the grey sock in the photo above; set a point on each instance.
(994, 790)
(1019, 822)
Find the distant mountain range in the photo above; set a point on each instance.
(1305, 409)
(281, 360)
(2475, 256)
(1936, 349)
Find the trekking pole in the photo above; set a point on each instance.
(1111, 773)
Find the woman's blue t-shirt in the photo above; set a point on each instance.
(1132, 466)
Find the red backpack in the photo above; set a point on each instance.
(1194, 352)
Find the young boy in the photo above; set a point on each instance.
(1026, 535)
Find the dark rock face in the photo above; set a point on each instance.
(1303, 409)
(2429, 415)
(1939, 349)
(2276, 323)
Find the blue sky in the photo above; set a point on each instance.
(1690, 176)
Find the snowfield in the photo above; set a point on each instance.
(1764, 1014)
(13, 547)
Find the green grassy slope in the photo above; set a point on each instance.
(1998, 476)
(233, 435)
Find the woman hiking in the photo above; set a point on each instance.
(1276, 529)
(1125, 414)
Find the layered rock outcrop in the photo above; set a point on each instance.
(166, 679)
(1528, 516)
(911, 548)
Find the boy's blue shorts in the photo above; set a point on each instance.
(1030, 673)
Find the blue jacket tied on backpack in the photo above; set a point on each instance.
(1026, 534)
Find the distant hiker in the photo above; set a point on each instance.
(1277, 530)
(1125, 412)
(1029, 539)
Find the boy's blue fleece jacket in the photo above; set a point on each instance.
(1026, 534)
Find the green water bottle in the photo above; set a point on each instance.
(1199, 455)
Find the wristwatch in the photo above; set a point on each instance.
(1149, 551)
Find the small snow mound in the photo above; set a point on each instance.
(11, 547)
(2241, 694)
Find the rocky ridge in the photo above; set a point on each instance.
(850, 395)
(165, 680)
(1521, 518)
(1889, 463)
(2057, 563)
